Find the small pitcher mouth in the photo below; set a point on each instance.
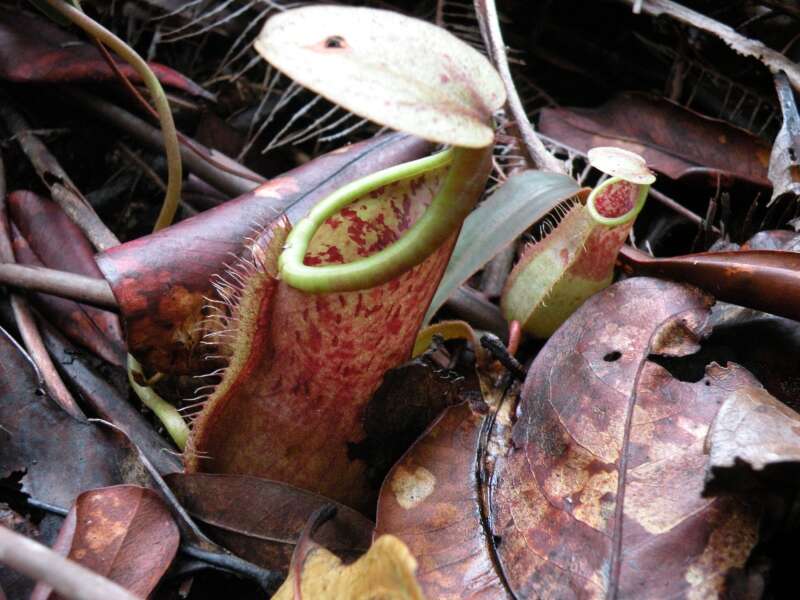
(616, 201)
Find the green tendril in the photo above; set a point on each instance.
(169, 416)
(444, 216)
(171, 146)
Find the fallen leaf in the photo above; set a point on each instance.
(59, 456)
(522, 200)
(47, 237)
(125, 533)
(433, 501)
(260, 520)
(673, 140)
(386, 572)
(35, 50)
(753, 444)
(162, 280)
(601, 479)
(784, 162)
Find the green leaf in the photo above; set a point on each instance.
(394, 70)
(524, 199)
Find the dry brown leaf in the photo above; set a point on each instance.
(386, 572)
(754, 442)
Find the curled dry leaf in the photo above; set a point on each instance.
(58, 456)
(35, 50)
(784, 162)
(370, 62)
(753, 443)
(161, 281)
(47, 237)
(766, 280)
(125, 533)
(261, 520)
(386, 572)
(673, 140)
(601, 480)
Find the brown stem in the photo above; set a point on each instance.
(678, 208)
(90, 290)
(66, 577)
(473, 307)
(486, 12)
(62, 189)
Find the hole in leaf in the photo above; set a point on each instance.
(613, 356)
(335, 41)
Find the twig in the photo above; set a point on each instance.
(474, 308)
(90, 290)
(772, 59)
(62, 189)
(503, 356)
(171, 146)
(490, 29)
(66, 577)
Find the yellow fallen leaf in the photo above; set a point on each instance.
(386, 572)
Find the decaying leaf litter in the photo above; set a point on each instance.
(546, 436)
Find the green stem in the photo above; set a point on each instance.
(168, 415)
(453, 202)
(171, 147)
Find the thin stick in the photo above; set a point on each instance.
(66, 577)
(90, 290)
(486, 12)
(171, 146)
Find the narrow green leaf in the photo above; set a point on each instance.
(524, 199)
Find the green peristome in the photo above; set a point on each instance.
(576, 260)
